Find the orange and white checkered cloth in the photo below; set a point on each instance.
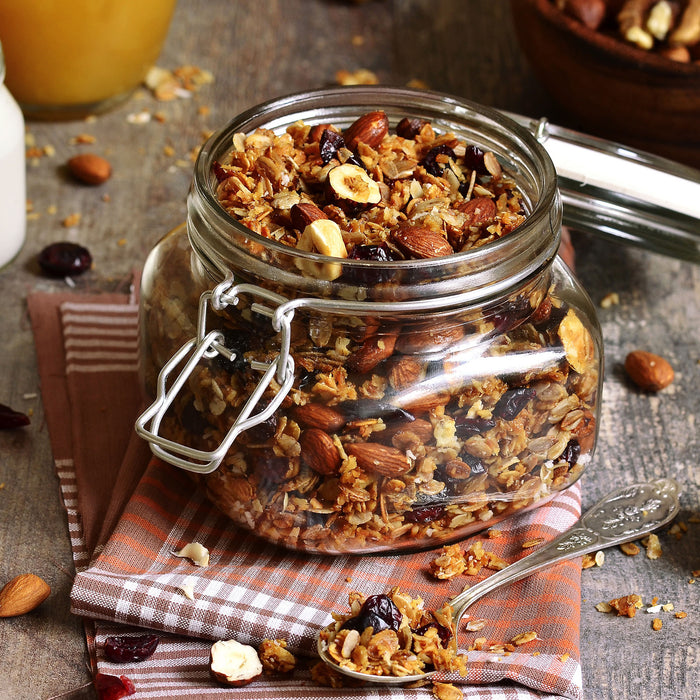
(128, 512)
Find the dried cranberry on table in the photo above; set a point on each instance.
(64, 259)
(11, 419)
(123, 650)
(113, 687)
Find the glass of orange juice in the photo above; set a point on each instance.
(70, 58)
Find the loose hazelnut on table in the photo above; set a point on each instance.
(233, 663)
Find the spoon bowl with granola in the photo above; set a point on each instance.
(392, 639)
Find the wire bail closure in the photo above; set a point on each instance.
(208, 345)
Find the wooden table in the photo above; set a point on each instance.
(257, 50)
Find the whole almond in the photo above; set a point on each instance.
(319, 451)
(373, 351)
(648, 371)
(315, 415)
(370, 129)
(304, 213)
(418, 429)
(405, 372)
(478, 211)
(21, 595)
(375, 457)
(421, 242)
(429, 337)
(90, 168)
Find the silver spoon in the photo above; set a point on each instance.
(623, 515)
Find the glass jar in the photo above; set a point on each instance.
(337, 405)
(70, 58)
(13, 197)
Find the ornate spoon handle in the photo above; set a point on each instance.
(623, 515)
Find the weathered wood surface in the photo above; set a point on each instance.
(257, 50)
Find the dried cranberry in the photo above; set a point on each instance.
(361, 409)
(571, 452)
(475, 464)
(380, 252)
(113, 687)
(424, 514)
(474, 159)
(512, 402)
(444, 634)
(511, 314)
(270, 468)
(238, 343)
(378, 612)
(220, 173)
(331, 142)
(123, 650)
(430, 162)
(63, 259)
(467, 427)
(306, 379)
(369, 277)
(10, 419)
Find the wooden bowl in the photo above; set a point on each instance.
(610, 88)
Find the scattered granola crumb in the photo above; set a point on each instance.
(667, 607)
(524, 638)
(563, 657)
(599, 558)
(475, 625)
(449, 562)
(142, 117)
(446, 691)
(417, 84)
(656, 624)
(532, 542)
(51, 209)
(71, 220)
(653, 546)
(587, 561)
(494, 534)
(627, 605)
(537, 653)
(196, 552)
(83, 139)
(679, 615)
(357, 40)
(611, 299)
(630, 549)
(275, 657)
(187, 590)
(362, 76)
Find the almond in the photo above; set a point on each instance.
(319, 451)
(430, 337)
(374, 457)
(89, 168)
(648, 371)
(370, 129)
(421, 242)
(477, 211)
(420, 428)
(373, 351)
(316, 415)
(405, 372)
(21, 595)
(304, 213)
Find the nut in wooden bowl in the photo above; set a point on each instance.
(590, 56)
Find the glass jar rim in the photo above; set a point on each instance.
(488, 269)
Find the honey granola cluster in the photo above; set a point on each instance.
(401, 430)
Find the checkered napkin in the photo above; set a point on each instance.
(128, 512)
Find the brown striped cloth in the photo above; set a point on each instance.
(127, 513)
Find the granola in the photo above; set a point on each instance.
(393, 635)
(400, 430)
